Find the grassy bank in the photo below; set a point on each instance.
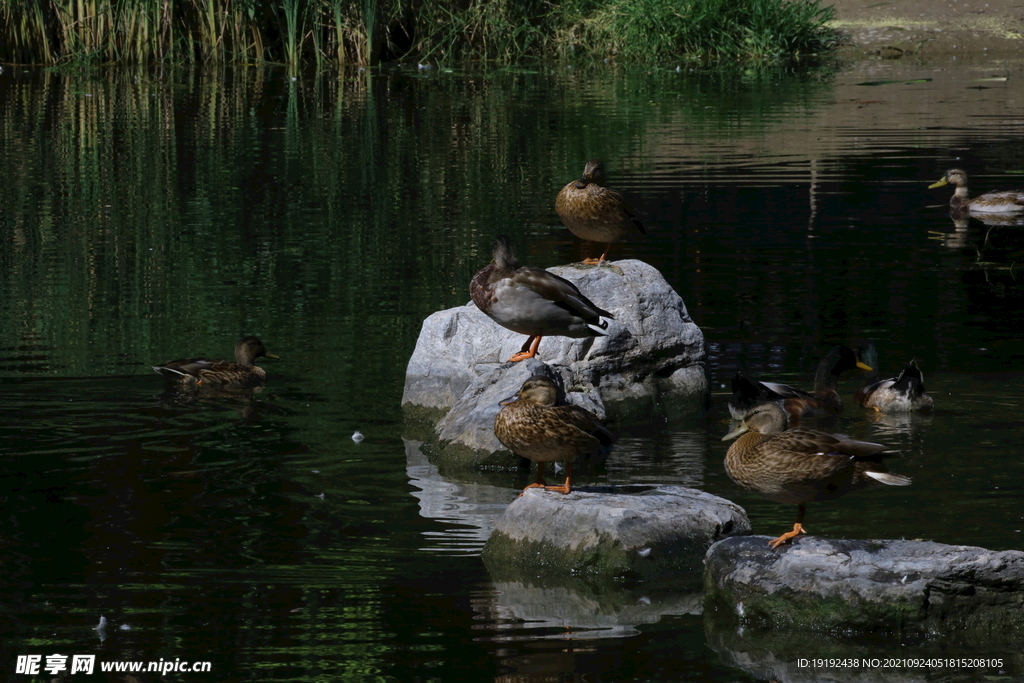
(338, 32)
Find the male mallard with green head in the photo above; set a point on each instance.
(594, 212)
(746, 393)
(533, 302)
(1008, 201)
(800, 466)
(199, 371)
(531, 425)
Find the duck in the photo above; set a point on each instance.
(595, 213)
(800, 466)
(746, 392)
(1009, 201)
(534, 302)
(901, 394)
(533, 425)
(201, 371)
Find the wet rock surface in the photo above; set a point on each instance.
(611, 535)
(911, 589)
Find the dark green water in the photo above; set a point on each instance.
(150, 216)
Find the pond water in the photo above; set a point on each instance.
(156, 215)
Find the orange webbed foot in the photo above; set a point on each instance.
(521, 355)
(798, 529)
(534, 485)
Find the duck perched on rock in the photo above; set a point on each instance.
(200, 371)
(747, 393)
(1008, 201)
(594, 212)
(901, 394)
(532, 425)
(800, 466)
(534, 302)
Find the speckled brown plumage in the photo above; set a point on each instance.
(533, 302)
(594, 212)
(200, 371)
(746, 393)
(1008, 201)
(533, 426)
(800, 466)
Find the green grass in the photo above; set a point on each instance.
(338, 32)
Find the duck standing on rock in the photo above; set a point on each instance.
(1008, 201)
(800, 466)
(531, 425)
(594, 212)
(200, 371)
(534, 302)
(747, 393)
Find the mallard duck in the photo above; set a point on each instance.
(532, 301)
(594, 212)
(900, 394)
(746, 393)
(800, 466)
(531, 425)
(991, 202)
(199, 371)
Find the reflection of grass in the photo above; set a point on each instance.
(336, 31)
(198, 207)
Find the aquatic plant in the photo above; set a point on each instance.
(324, 32)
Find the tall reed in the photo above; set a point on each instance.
(336, 32)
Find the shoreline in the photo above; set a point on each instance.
(898, 28)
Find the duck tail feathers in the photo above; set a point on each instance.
(889, 478)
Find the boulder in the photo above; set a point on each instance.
(650, 363)
(910, 589)
(610, 535)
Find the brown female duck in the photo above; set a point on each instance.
(746, 393)
(199, 371)
(594, 212)
(531, 425)
(1008, 201)
(533, 302)
(800, 466)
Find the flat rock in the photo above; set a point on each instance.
(911, 589)
(651, 363)
(617, 535)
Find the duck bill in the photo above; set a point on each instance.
(864, 366)
(273, 356)
(509, 400)
(938, 184)
(742, 429)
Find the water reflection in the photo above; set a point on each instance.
(467, 510)
(149, 212)
(521, 611)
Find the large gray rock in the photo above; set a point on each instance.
(911, 589)
(610, 535)
(651, 362)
